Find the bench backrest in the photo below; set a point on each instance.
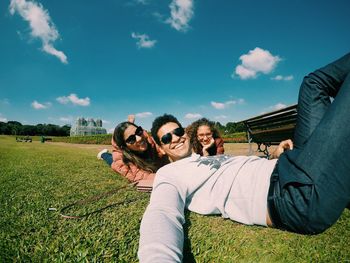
(273, 127)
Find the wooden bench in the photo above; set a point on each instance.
(24, 139)
(271, 128)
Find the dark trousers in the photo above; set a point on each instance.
(310, 186)
(108, 158)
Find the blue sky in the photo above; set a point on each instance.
(224, 60)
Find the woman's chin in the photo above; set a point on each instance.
(143, 147)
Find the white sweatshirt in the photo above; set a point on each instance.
(235, 187)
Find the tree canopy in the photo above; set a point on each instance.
(16, 128)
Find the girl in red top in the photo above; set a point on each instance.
(205, 138)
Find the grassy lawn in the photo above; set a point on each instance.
(36, 176)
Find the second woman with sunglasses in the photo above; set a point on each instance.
(135, 155)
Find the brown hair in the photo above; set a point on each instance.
(192, 129)
(147, 160)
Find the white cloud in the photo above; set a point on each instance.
(62, 100)
(106, 122)
(73, 98)
(136, 2)
(143, 40)
(66, 119)
(142, 2)
(158, 16)
(78, 101)
(278, 77)
(245, 73)
(48, 48)
(5, 101)
(41, 25)
(181, 12)
(40, 106)
(193, 116)
(3, 119)
(241, 101)
(230, 102)
(255, 62)
(221, 117)
(110, 131)
(285, 78)
(224, 105)
(278, 106)
(218, 105)
(143, 114)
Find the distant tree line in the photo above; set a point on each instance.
(230, 127)
(16, 128)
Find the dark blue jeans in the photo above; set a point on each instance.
(310, 186)
(108, 158)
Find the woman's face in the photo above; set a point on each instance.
(140, 144)
(204, 135)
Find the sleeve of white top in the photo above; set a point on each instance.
(161, 231)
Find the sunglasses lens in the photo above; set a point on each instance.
(139, 131)
(166, 138)
(179, 132)
(131, 139)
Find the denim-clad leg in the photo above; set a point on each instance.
(108, 158)
(314, 179)
(314, 97)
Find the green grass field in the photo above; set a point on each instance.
(36, 176)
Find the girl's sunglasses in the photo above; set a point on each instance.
(166, 138)
(132, 138)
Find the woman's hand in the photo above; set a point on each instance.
(207, 146)
(284, 145)
(131, 118)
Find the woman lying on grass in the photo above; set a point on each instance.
(135, 155)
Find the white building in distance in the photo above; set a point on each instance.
(84, 127)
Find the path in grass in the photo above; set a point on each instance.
(36, 176)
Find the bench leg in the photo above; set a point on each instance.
(250, 144)
(266, 151)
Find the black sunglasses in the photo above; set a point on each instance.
(166, 138)
(132, 138)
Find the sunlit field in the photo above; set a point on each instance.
(37, 176)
